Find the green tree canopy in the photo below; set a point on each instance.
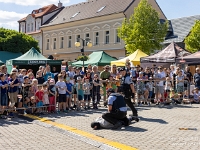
(13, 41)
(192, 41)
(143, 30)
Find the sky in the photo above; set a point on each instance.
(13, 10)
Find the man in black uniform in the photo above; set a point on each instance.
(117, 109)
(127, 88)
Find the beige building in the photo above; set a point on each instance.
(31, 23)
(94, 19)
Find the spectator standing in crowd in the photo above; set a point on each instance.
(69, 92)
(40, 77)
(196, 78)
(95, 71)
(80, 93)
(61, 86)
(47, 73)
(87, 89)
(52, 96)
(39, 98)
(3, 94)
(104, 76)
(96, 91)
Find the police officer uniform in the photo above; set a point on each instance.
(125, 87)
(119, 109)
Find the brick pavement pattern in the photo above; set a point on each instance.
(158, 128)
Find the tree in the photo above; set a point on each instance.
(192, 41)
(143, 30)
(13, 41)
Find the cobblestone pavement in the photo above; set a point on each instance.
(19, 134)
(158, 129)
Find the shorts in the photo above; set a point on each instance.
(167, 90)
(80, 97)
(87, 97)
(13, 97)
(180, 89)
(69, 96)
(150, 94)
(75, 91)
(159, 89)
(62, 98)
(4, 99)
(39, 104)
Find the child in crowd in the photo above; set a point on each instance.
(196, 95)
(69, 92)
(96, 91)
(13, 90)
(4, 99)
(39, 98)
(186, 97)
(112, 84)
(52, 94)
(34, 86)
(87, 87)
(80, 93)
(61, 86)
(45, 97)
(40, 78)
(149, 87)
(174, 97)
(168, 86)
(26, 91)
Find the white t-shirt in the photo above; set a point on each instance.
(162, 75)
(61, 85)
(87, 88)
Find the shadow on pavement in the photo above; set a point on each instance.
(132, 129)
(161, 121)
(13, 121)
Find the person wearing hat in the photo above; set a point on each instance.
(117, 109)
(128, 90)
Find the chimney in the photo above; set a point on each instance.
(60, 4)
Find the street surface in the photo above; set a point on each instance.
(158, 129)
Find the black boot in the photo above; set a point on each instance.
(117, 125)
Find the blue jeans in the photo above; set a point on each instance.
(4, 99)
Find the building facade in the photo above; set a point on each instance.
(97, 20)
(31, 24)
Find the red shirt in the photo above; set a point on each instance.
(40, 95)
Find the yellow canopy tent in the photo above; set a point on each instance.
(134, 58)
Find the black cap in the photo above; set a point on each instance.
(122, 69)
(26, 77)
(111, 90)
(96, 125)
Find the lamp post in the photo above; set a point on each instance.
(88, 44)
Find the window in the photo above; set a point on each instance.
(38, 25)
(54, 43)
(22, 28)
(61, 42)
(101, 9)
(117, 39)
(87, 35)
(47, 47)
(31, 26)
(40, 10)
(107, 38)
(96, 40)
(69, 41)
(78, 38)
(75, 15)
(28, 28)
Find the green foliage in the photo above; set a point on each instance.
(193, 40)
(143, 29)
(13, 41)
(82, 58)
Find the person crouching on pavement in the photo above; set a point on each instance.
(101, 123)
(117, 109)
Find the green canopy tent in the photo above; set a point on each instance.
(5, 55)
(31, 58)
(1, 63)
(99, 58)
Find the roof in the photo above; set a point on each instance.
(45, 10)
(134, 58)
(181, 28)
(99, 58)
(5, 55)
(169, 54)
(90, 9)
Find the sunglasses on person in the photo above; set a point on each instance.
(159, 68)
(107, 68)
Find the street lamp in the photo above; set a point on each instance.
(88, 44)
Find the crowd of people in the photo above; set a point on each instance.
(74, 88)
